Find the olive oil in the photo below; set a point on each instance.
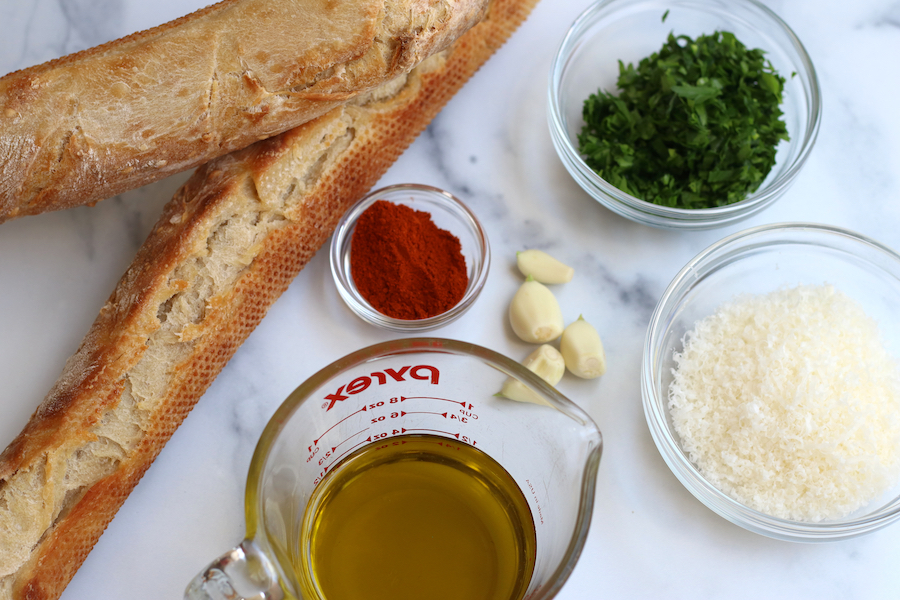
(417, 518)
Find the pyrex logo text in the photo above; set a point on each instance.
(420, 372)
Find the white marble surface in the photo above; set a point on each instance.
(649, 537)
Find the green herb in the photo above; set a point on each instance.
(694, 125)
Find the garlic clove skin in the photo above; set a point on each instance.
(534, 313)
(543, 267)
(547, 362)
(518, 391)
(582, 350)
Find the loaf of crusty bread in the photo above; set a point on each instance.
(93, 124)
(225, 247)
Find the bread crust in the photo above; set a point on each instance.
(224, 249)
(93, 124)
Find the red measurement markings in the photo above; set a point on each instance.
(348, 439)
(393, 443)
(404, 398)
(329, 453)
(351, 449)
(316, 441)
(456, 435)
(414, 412)
(421, 412)
(459, 436)
(338, 458)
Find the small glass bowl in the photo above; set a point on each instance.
(629, 30)
(756, 261)
(448, 213)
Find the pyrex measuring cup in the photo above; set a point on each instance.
(428, 386)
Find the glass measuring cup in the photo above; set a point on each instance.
(430, 386)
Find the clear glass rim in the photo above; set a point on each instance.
(655, 407)
(663, 216)
(340, 244)
(590, 434)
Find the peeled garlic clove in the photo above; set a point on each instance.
(534, 313)
(547, 362)
(543, 267)
(582, 350)
(518, 391)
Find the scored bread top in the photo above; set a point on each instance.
(99, 122)
(227, 245)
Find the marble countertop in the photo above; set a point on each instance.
(490, 146)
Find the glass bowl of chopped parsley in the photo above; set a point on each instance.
(771, 381)
(683, 114)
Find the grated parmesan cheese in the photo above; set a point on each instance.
(789, 403)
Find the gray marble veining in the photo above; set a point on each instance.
(490, 146)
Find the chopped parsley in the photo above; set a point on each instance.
(695, 125)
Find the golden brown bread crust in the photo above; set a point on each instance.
(90, 125)
(225, 247)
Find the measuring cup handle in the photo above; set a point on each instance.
(244, 573)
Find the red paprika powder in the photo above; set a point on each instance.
(404, 265)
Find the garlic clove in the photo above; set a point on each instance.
(582, 350)
(543, 267)
(534, 313)
(518, 391)
(547, 362)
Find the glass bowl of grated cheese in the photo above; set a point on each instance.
(771, 381)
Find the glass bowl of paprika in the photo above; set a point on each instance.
(683, 114)
(409, 257)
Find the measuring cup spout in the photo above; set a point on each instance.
(418, 424)
(244, 573)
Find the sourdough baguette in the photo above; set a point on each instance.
(93, 124)
(226, 246)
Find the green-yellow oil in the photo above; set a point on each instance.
(418, 518)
